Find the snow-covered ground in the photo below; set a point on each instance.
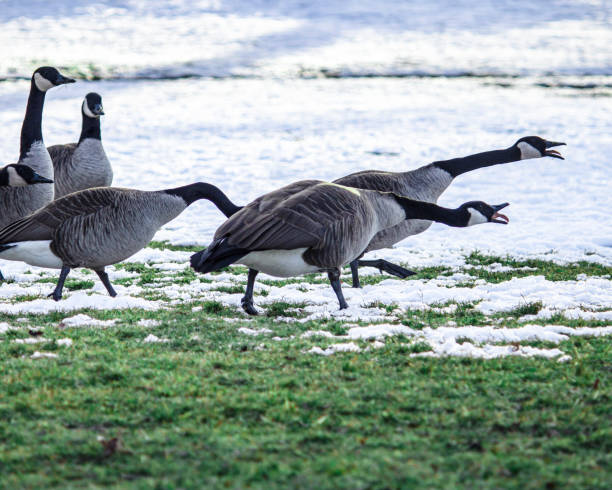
(280, 91)
(251, 136)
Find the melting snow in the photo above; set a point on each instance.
(477, 341)
(82, 320)
(152, 339)
(43, 355)
(254, 331)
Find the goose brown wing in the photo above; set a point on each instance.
(43, 224)
(311, 217)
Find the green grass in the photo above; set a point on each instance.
(548, 269)
(215, 408)
(164, 245)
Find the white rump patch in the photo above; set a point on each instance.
(37, 253)
(279, 263)
(14, 179)
(42, 83)
(476, 217)
(528, 151)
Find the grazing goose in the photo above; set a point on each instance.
(99, 227)
(83, 165)
(316, 226)
(21, 201)
(15, 175)
(427, 183)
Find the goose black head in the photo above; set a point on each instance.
(46, 77)
(477, 212)
(92, 105)
(536, 147)
(16, 175)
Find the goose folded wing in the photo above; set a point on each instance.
(42, 224)
(302, 220)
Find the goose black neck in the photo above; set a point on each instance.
(432, 212)
(4, 178)
(458, 166)
(90, 128)
(31, 130)
(201, 190)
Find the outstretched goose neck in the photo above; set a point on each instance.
(31, 130)
(458, 166)
(90, 127)
(432, 212)
(202, 190)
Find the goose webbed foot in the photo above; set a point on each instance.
(355, 273)
(247, 300)
(334, 279)
(248, 306)
(106, 281)
(388, 267)
(57, 292)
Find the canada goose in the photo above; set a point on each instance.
(83, 165)
(21, 201)
(427, 183)
(98, 227)
(16, 175)
(316, 226)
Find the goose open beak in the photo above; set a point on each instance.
(553, 153)
(499, 217)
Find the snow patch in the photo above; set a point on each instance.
(153, 339)
(254, 331)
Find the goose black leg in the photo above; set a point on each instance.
(334, 279)
(57, 292)
(386, 266)
(106, 281)
(355, 273)
(247, 299)
(1, 277)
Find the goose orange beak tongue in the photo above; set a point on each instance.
(500, 218)
(554, 154)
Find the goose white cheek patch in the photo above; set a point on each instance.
(476, 217)
(528, 151)
(42, 83)
(87, 111)
(14, 179)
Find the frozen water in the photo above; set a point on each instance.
(297, 38)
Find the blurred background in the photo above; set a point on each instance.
(253, 95)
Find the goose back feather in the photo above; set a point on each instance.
(331, 223)
(97, 227)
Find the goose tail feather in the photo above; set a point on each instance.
(217, 256)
